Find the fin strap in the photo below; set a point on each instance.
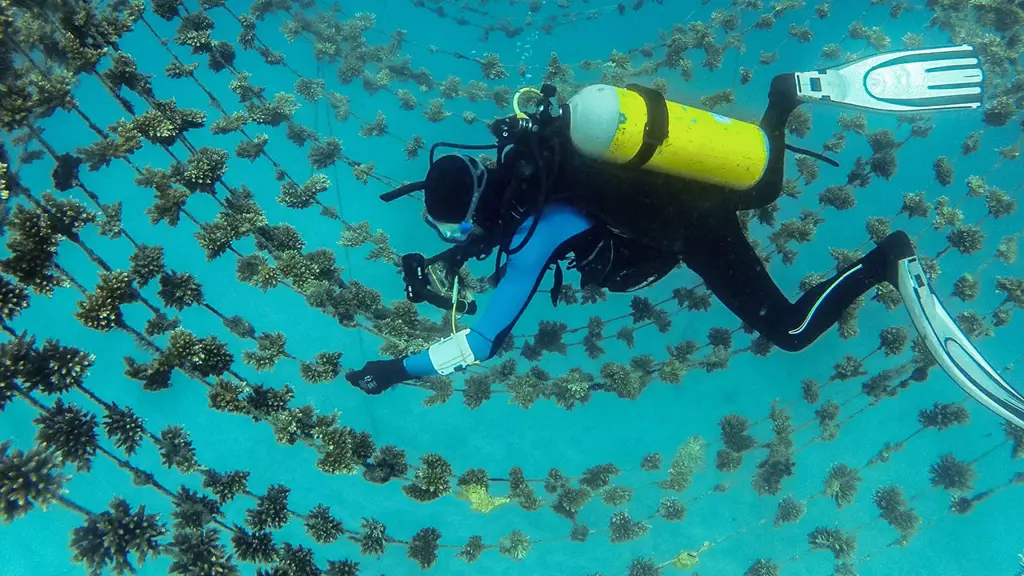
(556, 289)
(812, 154)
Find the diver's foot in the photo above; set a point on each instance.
(783, 92)
(895, 247)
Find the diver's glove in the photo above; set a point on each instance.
(378, 375)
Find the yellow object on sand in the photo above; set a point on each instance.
(479, 500)
(688, 559)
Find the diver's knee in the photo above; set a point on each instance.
(789, 343)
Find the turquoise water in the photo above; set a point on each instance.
(722, 508)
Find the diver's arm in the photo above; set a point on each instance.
(558, 224)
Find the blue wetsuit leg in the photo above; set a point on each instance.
(558, 224)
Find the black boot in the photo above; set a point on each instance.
(782, 100)
(894, 248)
(783, 94)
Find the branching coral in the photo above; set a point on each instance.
(432, 480)
(799, 123)
(728, 461)
(101, 310)
(807, 167)
(325, 368)
(32, 243)
(849, 367)
(762, 567)
(999, 111)
(515, 545)
(194, 510)
(275, 113)
(789, 511)
(202, 171)
(597, 477)
(325, 154)
(943, 171)
(734, 433)
(651, 462)
(944, 415)
(70, 432)
(842, 545)
(671, 509)
(176, 450)
(623, 528)
(525, 390)
(423, 547)
(952, 474)
(999, 203)
(435, 111)
(124, 427)
(225, 485)
(522, 491)
(877, 228)
(491, 67)
(893, 340)
(200, 552)
(374, 537)
(967, 239)
(838, 197)
(165, 123)
(252, 149)
(548, 339)
(321, 526)
(304, 196)
(108, 538)
(810, 391)
(180, 290)
(894, 509)
(827, 416)
(778, 464)
(841, 484)
(718, 99)
(617, 495)
(915, 205)
(570, 501)
(271, 511)
(1015, 434)
(626, 383)
(831, 51)
(297, 560)
(28, 480)
(312, 89)
(689, 458)
(342, 568)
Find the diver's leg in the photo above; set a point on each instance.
(727, 262)
(782, 101)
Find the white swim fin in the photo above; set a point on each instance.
(903, 81)
(951, 348)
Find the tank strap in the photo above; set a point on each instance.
(656, 128)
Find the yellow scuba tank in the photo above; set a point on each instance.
(637, 126)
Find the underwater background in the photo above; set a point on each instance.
(137, 382)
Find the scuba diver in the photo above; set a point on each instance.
(625, 186)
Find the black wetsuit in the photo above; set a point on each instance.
(611, 218)
(700, 224)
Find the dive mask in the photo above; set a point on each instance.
(459, 232)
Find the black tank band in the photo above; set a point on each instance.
(656, 128)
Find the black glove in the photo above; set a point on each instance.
(378, 375)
